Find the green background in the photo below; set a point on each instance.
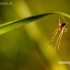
(26, 47)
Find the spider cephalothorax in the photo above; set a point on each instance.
(61, 26)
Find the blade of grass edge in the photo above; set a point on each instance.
(12, 25)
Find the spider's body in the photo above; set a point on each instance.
(61, 26)
(60, 29)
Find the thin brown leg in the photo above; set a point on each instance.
(59, 22)
(64, 19)
(52, 33)
(58, 40)
(53, 38)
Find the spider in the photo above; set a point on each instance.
(60, 29)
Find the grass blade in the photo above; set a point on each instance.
(12, 25)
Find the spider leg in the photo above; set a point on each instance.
(65, 29)
(58, 39)
(52, 33)
(64, 19)
(55, 30)
(67, 23)
(59, 22)
(56, 42)
(61, 36)
(53, 37)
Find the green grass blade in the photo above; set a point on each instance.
(12, 25)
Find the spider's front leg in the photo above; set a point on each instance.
(59, 22)
(65, 29)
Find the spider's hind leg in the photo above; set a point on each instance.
(53, 37)
(58, 40)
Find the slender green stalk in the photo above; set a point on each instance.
(14, 24)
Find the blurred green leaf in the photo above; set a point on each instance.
(12, 25)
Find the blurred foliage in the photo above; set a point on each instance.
(26, 47)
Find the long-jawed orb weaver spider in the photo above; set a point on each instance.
(60, 29)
